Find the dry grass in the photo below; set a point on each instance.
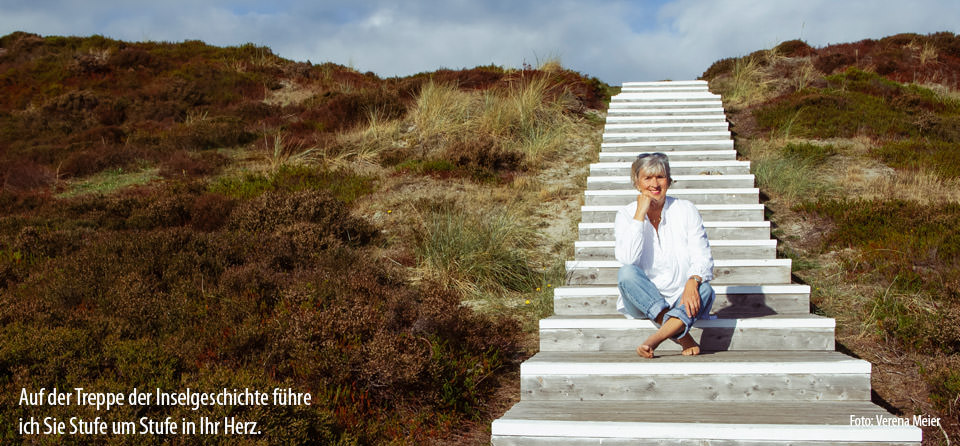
(748, 82)
(922, 187)
(280, 152)
(928, 53)
(441, 110)
(528, 115)
(360, 148)
(804, 74)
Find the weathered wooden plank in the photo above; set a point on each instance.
(732, 230)
(774, 332)
(674, 156)
(721, 249)
(709, 212)
(678, 168)
(679, 181)
(715, 387)
(746, 195)
(664, 136)
(731, 301)
(713, 126)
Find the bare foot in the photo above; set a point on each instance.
(645, 351)
(689, 346)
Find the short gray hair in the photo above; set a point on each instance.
(650, 164)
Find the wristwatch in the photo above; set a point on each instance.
(698, 279)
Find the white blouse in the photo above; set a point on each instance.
(669, 257)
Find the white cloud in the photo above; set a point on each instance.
(615, 40)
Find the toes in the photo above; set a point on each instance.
(692, 351)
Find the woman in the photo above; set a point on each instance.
(666, 259)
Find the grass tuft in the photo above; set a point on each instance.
(110, 181)
(482, 254)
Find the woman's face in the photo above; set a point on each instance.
(654, 185)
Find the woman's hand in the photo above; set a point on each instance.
(643, 204)
(691, 297)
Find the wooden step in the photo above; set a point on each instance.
(678, 168)
(655, 127)
(730, 301)
(667, 104)
(733, 271)
(617, 333)
(709, 212)
(710, 376)
(626, 110)
(666, 136)
(717, 117)
(726, 423)
(679, 89)
(621, 182)
(667, 146)
(666, 83)
(657, 97)
(716, 230)
(720, 249)
(673, 156)
(745, 195)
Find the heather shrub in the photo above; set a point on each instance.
(207, 133)
(274, 210)
(24, 175)
(209, 211)
(794, 48)
(187, 164)
(98, 159)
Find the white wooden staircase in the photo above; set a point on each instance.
(769, 373)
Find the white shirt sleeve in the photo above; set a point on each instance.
(701, 259)
(628, 233)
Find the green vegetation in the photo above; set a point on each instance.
(111, 181)
(856, 146)
(179, 215)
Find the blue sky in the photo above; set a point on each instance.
(615, 40)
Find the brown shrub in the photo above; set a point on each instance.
(720, 67)
(98, 159)
(203, 134)
(102, 136)
(795, 48)
(182, 163)
(334, 111)
(111, 113)
(829, 63)
(275, 210)
(25, 175)
(483, 155)
(163, 211)
(133, 57)
(210, 212)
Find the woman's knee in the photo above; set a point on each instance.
(706, 294)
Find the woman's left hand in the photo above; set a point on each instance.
(691, 298)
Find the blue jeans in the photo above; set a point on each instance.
(642, 299)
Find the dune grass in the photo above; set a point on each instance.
(483, 252)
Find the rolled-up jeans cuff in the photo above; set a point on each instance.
(655, 309)
(681, 314)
